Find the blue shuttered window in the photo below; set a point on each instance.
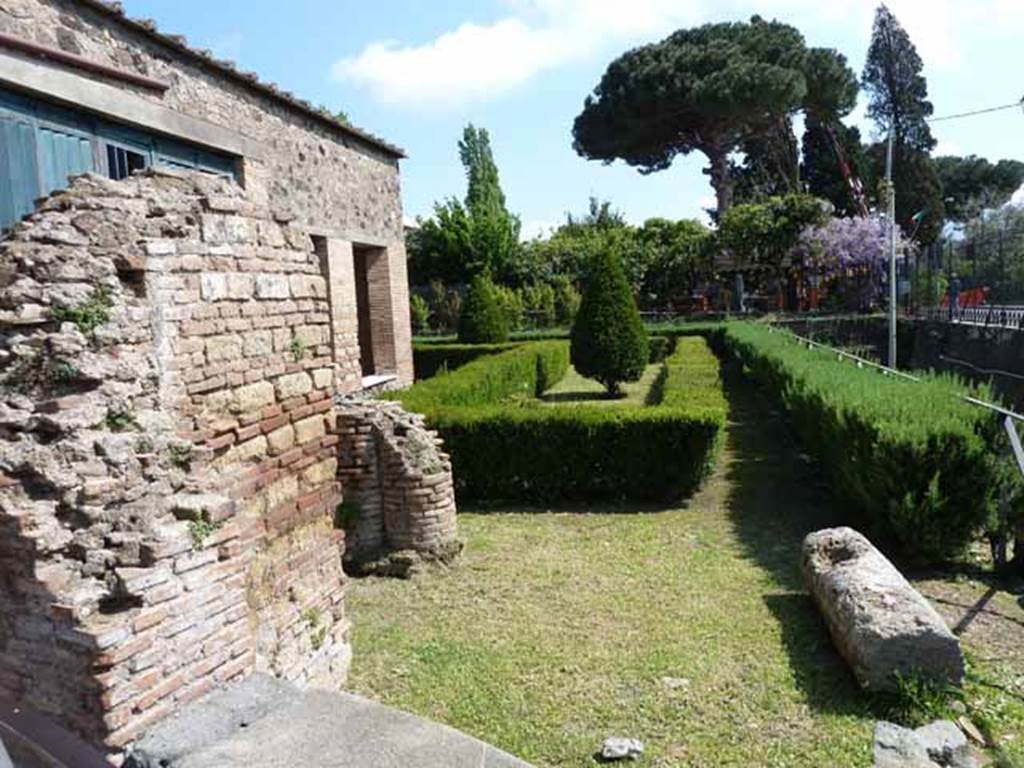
(18, 171)
(41, 145)
(61, 154)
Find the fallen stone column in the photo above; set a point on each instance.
(880, 624)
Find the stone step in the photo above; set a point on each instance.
(272, 724)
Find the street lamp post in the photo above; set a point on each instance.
(892, 251)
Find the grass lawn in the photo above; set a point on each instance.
(686, 628)
(574, 388)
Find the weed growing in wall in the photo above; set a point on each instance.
(89, 316)
(180, 455)
(120, 420)
(201, 530)
(317, 629)
(297, 348)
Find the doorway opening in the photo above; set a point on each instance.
(366, 261)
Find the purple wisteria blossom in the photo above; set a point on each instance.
(851, 256)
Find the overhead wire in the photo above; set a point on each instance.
(975, 112)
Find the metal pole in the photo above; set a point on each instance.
(892, 252)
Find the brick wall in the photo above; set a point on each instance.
(169, 463)
(399, 482)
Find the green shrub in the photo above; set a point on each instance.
(910, 458)
(540, 303)
(609, 343)
(511, 303)
(419, 313)
(482, 321)
(429, 359)
(567, 300)
(445, 307)
(511, 451)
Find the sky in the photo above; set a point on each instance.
(415, 72)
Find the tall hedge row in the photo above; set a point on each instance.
(911, 457)
(504, 448)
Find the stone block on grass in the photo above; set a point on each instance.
(880, 624)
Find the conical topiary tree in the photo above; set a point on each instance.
(609, 343)
(482, 320)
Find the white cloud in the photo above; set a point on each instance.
(1017, 200)
(475, 62)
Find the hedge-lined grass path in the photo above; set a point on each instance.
(679, 627)
(686, 628)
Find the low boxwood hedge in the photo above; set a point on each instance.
(431, 357)
(912, 459)
(509, 448)
(525, 370)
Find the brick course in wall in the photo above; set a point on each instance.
(170, 474)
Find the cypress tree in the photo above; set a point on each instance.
(482, 320)
(609, 343)
(898, 100)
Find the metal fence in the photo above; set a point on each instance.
(986, 263)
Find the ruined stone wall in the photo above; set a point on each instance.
(168, 461)
(398, 484)
(323, 180)
(329, 180)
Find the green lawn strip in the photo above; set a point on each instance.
(557, 630)
(575, 389)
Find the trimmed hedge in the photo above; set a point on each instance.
(526, 370)
(430, 359)
(912, 458)
(659, 347)
(536, 452)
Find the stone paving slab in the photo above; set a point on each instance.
(265, 723)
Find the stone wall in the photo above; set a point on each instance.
(169, 461)
(323, 179)
(329, 179)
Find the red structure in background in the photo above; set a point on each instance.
(973, 297)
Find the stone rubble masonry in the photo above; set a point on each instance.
(324, 178)
(170, 466)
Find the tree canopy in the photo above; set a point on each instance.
(763, 234)
(971, 184)
(820, 171)
(897, 89)
(463, 239)
(708, 89)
